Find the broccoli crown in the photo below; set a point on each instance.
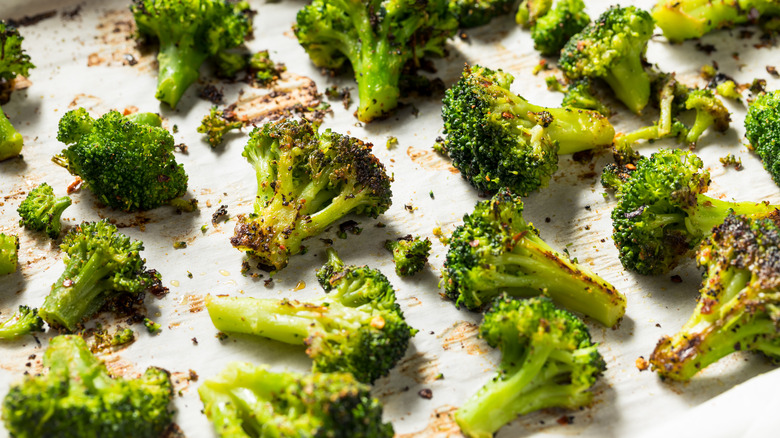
(9, 253)
(378, 38)
(473, 13)
(102, 264)
(739, 299)
(410, 254)
(41, 210)
(79, 398)
(580, 94)
(563, 20)
(306, 181)
(189, 32)
(23, 322)
(128, 165)
(215, 125)
(613, 48)
(548, 360)
(685, 19)
(762, 129)
(496, 250)
(245, 400)
(14, 61)
(710, 111)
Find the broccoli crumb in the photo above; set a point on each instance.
(553, 84)
(337, 93)
(392, 142)
(151, 326)
(219, 214)
(221, 336)
(204, 228)
(642, 364)
(179, 245)
(731, 160)
(431, 195)
(541, 67)
(708, 71)
(728, 89)
(189, 274)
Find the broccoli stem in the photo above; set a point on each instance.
(703, 121)
(377, 74)
(711, 212)
(630, 82)
(682, 20)
(179, 68)
(10, 139)
(147, 119)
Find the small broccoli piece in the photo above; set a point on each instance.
(245, 400)
(410, 254)
(552, 23)
(215, 125)
(9, 253)
(102, 264)
(739, 301)
(709, 112)
(473, 13)
(151, 326)
(580, 94)
(14, 61)
(190, 32)
(498, 139)
(728, 89)
(686, 19)
(127, 162)
(263, 70)
(762, 129)
(613, 49)
(23, 322)
(496, 250)
(377, 38)
(79, 398)
(305, 182)
(547, 360)
(41, 210)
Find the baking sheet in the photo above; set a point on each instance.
(82, 60)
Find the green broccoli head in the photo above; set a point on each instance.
(215, 125)
(710, 111)
(496, 250)
(410, 254)
(9, 253)
(613, 49)
(473, 13)
(41, 210)
(553, 23)
(245, 400)
(79, 398)
(547, 360)
(23, 322)
(686, 19)
(189, 32)
(762, 129)
(127, 162)
(378, 38)
(579, 94)
(14, 61)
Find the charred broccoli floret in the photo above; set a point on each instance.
(215, 125)
(305, 182)
(245, 400)
(496, 250)
(473, 13)
(13, 62)
(263, 70)
(762, 129)
(9, 253)
(410, 254)
(547, 360)
(685, 19)
(23, 322)
(79, 398)
(552, 23)
(41, 210)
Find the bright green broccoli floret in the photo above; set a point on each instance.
(102, 265)
(410, 254)
(762, 129)
(552, 23)
(13, 62)
(498, 139)
(579, 94)
(473, 13)
(547, 360)
(613, 49)
(685, 19)
(710, 111)
(127, 161)
(78, 398)
(23, 322)
(357, 327)
(151, 326)
(305, 182)
(378, 38)
(496, 250)
(41, 210)
(739, 306)
(215, 125)
(248, 401)
(9, 253)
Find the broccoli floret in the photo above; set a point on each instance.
(738, 305)
(686, 19)
(127, 162)
(151, 326)
(547, 360)
(377, 38)
(613, 49)
(728, 89)
(496, 250)
(102, 264)
(9, 253)
(662, 213)
(263, 70)
(306, 181)
(710, 111)
(23, 322)
(473, 13)
(498, 139)
(41, 210)
(762, 129)
(245, 400)
(552, 23)
(579, 94)
(189, 32)
(410, 254)
(79, 398)
(357, 327)
(215, 125)
(14, 61)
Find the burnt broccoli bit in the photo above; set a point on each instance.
(552, 22)
(9, 253)
(378, 38)
(762, 129)
(306, 181)
(126, 161)
(496, 250)
(738, 303)
(264, 71)
(686, 19)
(547, 360)
(215, 125)
(498, 139)
(473, 13)
(78, 398)
(14, 61)
(41, 210)
(251, 401)
(23, 322)
(410, 254)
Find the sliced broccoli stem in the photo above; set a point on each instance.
(179, 68)
(378, 73)
(147, 119)
(11, 140)
(711, 212)
(346, 201)
(703, 121)
(630, 82)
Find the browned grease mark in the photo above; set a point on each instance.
(429, 160)
(290, 95)
(465, 334)
(441, 424)
(413, 302)
(181, 380)
(86, 101)
(195, 303)
(420, 367)
(119, 48)
(118, 367)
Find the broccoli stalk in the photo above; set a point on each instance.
(410, 254)
(548, 360)
(13, 62)
(23, 322)
(686, 19)
(215, 125)
(9, 253)
(710, 111)
(762, 129)
(552, 23)
(41, 210)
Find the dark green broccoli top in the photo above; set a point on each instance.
(762, 129)
(41, 210)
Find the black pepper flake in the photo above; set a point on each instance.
(194, 341)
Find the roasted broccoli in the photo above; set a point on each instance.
(496, 250)
(498, 139)
(377, 38)
(9, 253)
(762, 129)
(552, 23)
(306, 181)
(79, 398)
(613, 49)
(189, 32)
(710, 111)
(263, 70)
(23, 322)
(685, 19)
(127, 161)
(473, 13)
(13, 62)
(102, 265)
(738, 305)
(410, 254)
(215, 125)
(41, 210)
(547, 360)
(245, 400)
(579, 94)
